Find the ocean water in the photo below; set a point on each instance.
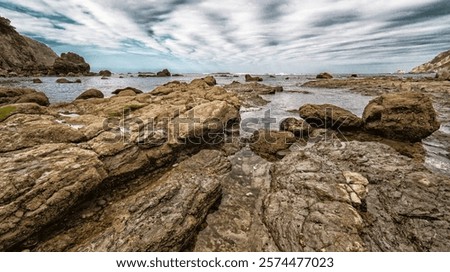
(281, 105)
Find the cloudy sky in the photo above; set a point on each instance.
(265, 36)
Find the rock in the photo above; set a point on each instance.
(210, 80)
(266, 143)
(406, 116)
(104, 78)
(20, 54)
(71, 74)
(77, 81)
(299, 128)
(443, 75)
(330, 116)
(37, 81)
(136, 91)
(20, 95)
(63, 81)
(249, 78)
(324, 75)
(127, 92)
(171, 210)
(91, 93)
(353, 75)
(13, 74)
(68, 171)
(354, 196)
(163, 73)
(71, 62)
(249, 93)
(105, 73)
(440, 62)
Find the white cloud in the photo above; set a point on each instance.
(297, 36)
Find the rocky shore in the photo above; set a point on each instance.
(166, 170)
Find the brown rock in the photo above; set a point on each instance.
(37, 80)
(324, 75)
(163, 73)
(330, 116)
(105, 73)
(299, 128)
(91, 93)
(403, 116)
(136, 91)
(249, 78)
(210, 80)
(21, 95)
(71, 62)
(267, 143)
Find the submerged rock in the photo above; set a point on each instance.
(300, 128)
(403, 116)
(330, 116)
(267, 143)
(66, 81)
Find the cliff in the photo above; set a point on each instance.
(21, 54)
(440, 62)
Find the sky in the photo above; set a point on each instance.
(265, 36)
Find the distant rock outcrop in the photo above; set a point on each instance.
(22, 55)
(249, 78)
(163, 73)
(440, 62)
(71, 63)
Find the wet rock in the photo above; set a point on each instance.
(71, 62)
(91, 93)
(66, 81)
(37, 80)
(330, 116)
(163, 73)
(404, 116)
(266, 143)
(249, 78)
(21, 95)
(299, 128)
(324, 75)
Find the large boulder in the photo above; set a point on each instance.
(267, 143)
(91, 93)
(300, 128)
(443, 74)
(71, 62)
(330, 116)
(249, 78)
(19, 95)
(406, 116)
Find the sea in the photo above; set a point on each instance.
(281, 105)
